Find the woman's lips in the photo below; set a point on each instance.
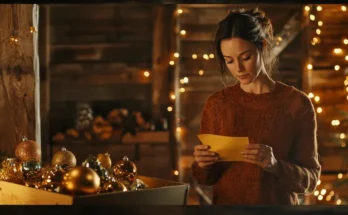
(243, 76)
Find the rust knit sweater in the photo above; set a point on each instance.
(283, 119)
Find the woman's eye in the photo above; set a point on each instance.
(247, 58)
(229, 62)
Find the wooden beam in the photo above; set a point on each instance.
(19, 76)
(291, 29)
(44, 54)
(160, 58)
(306, 74)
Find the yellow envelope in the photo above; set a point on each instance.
(228, 148)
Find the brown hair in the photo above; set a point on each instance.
(251, 25)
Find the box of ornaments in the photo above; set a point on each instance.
(25, 181)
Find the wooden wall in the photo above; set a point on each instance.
(99, 54)
(19, 113)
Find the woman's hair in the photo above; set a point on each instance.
(251, 25)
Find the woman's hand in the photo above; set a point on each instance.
(261, 155)
(204, 158)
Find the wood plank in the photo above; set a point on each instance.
(87, 93)
(118, 11)
(128, 52)
(291, 29)
(19, 94)
(160, 58)
(44, 56)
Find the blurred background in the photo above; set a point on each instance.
(132, 79)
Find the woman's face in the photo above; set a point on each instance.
(242, 59)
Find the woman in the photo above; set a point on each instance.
(281, 159)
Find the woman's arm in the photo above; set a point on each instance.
(302, 175)
(209, 176)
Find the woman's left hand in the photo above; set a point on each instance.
(261, 155)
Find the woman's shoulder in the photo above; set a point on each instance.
(300, 100)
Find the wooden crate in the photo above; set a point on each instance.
(160, 192)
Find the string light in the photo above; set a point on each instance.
(346, 58)
(320, 23)
(310, 66)
(178, 129)
(146, 74)
(176, 172)
(328, 198)
(194, 56)
(335, 122)
(205, 56)
(343, 8)
(338, 202)
(323, 191)
(337, 67)
(319, 182)
(320, 197)
(13, 40)
(332, 193)
(171, 62)
(211, 56)
(180, 11)
(311, 95)
(185, 80)
(182, 90)
(319, 8)
(307, 8)
(169, 109)
(317, 98)
(337, 51)
(173, 97)
(340, 175)
(319, 110)
(346, 82)
(343, 144)
(32, 29)
(315, 40)
(201, 72)
(176, 55)
(183, 32)
(316, 193)
(318, 31)
(347, 89)
(345, 41)
(342, 135)
(312, 17)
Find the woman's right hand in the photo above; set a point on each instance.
(204, 158)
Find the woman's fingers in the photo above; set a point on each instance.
(203, 153)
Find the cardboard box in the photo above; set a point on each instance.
(160, 192)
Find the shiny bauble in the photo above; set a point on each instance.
(105, 160)
(28, 150)
(80, 181)
(125, 170)
(138, 185)
(113, 186)
(11, 171)
(93, 163)
(64, 157)
(32, 173)
(52, 179)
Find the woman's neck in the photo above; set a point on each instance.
(262, 84)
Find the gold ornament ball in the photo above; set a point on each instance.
(105, 160)
(113, 186)
(81, 180)
(28, 150)
(64, 157)
(125, 170)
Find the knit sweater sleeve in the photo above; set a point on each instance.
(302, 174)
(209, 125)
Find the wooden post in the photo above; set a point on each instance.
(19, 92)
(44, 53)
(161, 52)
(306, 74)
